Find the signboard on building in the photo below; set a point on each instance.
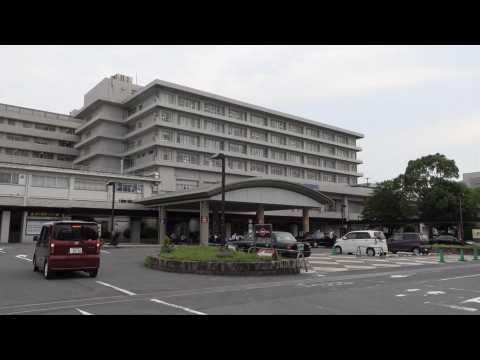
(476, 234)
(34, 227)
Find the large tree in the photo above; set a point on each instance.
(388, 204)
(425, 191)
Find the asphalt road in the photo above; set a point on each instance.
(125, 286)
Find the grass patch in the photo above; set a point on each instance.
(208, 253)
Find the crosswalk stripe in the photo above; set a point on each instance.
(406, 263)
(329, 269)
(359, 267)
(323, 262)
(351, 261)
(386, 265)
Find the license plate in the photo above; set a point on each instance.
(76, 250)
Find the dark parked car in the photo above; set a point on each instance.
(318, 238)
(408, 242)
(446, 240)
(284, 242)
(67, 246)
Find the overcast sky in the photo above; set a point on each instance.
(408, 101)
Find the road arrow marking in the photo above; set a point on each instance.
(23, 257)
(83, 312)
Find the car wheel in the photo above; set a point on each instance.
(416, 251)
(34, 261)
(370, 252)
(46, 271)
(93, 273)
(338, 250)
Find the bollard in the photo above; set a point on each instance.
(441, 259)
(475, 253)
(462, 257)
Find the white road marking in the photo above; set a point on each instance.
(178, 307)
(474, 300)
(2, 252)
(460, 277)
(435, 292)
(105, 251)
(116, 288)
(23, 257)
(329, 269)
(413, 290)
(359, 267)
(323, 262)
(386, 265)
(351, 261)
(457, 307)
(83, 312)
(406, 263)
(398, 276)
(400, 295)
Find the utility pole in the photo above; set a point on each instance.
(460, 233)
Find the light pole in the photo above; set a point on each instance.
(111, 183)
(460, 233)
(221, 156)
(343, 220)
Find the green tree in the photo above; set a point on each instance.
(388, 203)
(421, 174)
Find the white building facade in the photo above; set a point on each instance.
(159, 139)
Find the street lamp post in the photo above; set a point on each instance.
(221, 156)
(343, 220)
(460, 233)
(111, 183)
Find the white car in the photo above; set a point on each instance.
(363, 242)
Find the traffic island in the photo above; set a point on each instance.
(205, 260)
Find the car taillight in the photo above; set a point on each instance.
(98, 247)
(52, 248)
(290, 247)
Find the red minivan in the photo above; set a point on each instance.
(67, 246)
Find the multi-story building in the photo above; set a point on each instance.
(165, 135)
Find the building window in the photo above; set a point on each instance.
(17, 152)
(21, 138)
(311, 132)
(311, 146)
(214, 109)
(68, 144)
(11, 122)
(90, 185)
(277, 170)
(186, 184)
(187, 121)
(185, 139)
(45, 127)
(296, 128)
(65, 157)
(236, 164)
(166, 135)
(294, 157)
(278, 155)
(328, 135)
(237, 131)
(188, 103)
(213, 144)
(27, 124)
(328, 178)
(50, 181)
(314, 175)
(342, 179)
(129, 188)
(278, 124)
(8, 178)
(236, 114)
(295, 172)
(215, 126)
(258, 151)
(258, 135)
(296, 143)
(237, 148)
(166, 155)
(329, 164)
(42, 155)
(40, 141)
(188, 158)
(258, 120)
(258, 167)
(278, 139)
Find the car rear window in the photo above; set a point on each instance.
(75, 232)
(284, 237)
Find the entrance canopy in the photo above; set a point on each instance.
(245, 196)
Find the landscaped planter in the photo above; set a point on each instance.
(274, 267)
